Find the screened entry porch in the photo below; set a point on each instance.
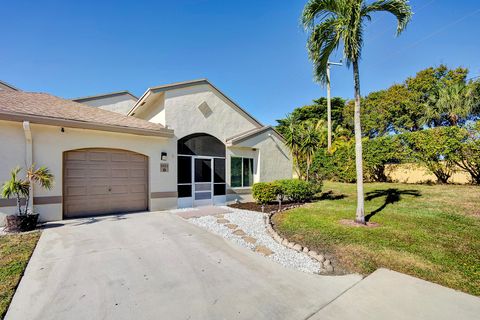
(201, 171)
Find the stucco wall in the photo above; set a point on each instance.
(49, 143)
(184, 117)
(415, 173)
(119, 103)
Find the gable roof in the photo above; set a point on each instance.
(44, 108)
(105, 95)
(252, 133)
(185, 84)
(7, 86)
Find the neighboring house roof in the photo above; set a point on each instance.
(185, 84)
(250, 134)
(44, 108)
(7, 86)
(104, 95)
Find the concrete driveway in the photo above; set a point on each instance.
(158, 266)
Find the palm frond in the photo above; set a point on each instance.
(399, 8)
(319, 10)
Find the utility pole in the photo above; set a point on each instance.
(329, 104)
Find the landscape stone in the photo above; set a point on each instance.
(231, 226)
(329, 268)
(327, 263)
(312, 253)
(305, 249)
(249, 239)
(297, 247)
(223, 221)
(320, 257)
(263, 250)
(239, 232)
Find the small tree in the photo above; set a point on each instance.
(468, 155)
(20, 188)
(436, 149)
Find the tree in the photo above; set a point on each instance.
(453, 105)
(315, 111)
(333, 22)
(467, 156)
(378, 153)
(436, 149)
(20, 188)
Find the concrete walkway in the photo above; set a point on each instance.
(158, 266)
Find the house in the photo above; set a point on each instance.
(179, 145)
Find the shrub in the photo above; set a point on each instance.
(265, 192)
(297, 190)
(338, 165)
(379, 152)
(436, 149)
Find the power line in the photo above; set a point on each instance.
(439, 30)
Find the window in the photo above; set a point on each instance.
(241, 173)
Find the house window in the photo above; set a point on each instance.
(241, 173)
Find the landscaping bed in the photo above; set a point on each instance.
(15, 251)
(252, 206)
(431, 232)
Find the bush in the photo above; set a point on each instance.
(379, 152)
(265, 192)
(297, 190)
(338, 165)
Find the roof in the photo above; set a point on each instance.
(190, 83)
(251, 133)
(8, 86)
(44, 108)
(105, 95)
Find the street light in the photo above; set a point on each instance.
(329, 103)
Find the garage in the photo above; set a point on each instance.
(104, 181)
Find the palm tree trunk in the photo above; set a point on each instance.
(360, 214)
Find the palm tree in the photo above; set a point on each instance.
(335, 22)
(311, 138)
(20, 188)
(455, 102)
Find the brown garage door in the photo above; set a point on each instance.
(104, 181)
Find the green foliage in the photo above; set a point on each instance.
(20, 188)
(467, 156)
(265, 192)
(436, 149)
(316, 111)
(378, 153)
(298, 190)
(331, 23)
(337, 165)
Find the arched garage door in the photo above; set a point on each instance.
(104, 181)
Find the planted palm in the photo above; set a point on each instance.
(20, 188)
(332, 23)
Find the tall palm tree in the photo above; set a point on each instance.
(335, 22)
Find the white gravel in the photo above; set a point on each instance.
(254, 225)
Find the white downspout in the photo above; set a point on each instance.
(28, 158)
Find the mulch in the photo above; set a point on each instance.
(252, 206)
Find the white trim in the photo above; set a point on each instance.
(253, 172)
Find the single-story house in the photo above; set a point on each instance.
(179, 145)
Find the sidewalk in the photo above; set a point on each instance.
(387, 294)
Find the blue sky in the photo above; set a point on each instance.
(253, 50)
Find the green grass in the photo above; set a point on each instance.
(431, 232)
(15, 251)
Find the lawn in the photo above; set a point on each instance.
(15, 251)
(431, 232)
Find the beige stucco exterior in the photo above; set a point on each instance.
(49, 143)
(203, 109)
(415, 173)
(120, 103)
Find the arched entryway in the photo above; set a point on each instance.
(100, 181)
(201, 170)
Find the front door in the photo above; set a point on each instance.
(203, 181)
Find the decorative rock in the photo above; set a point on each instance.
(327, 263)
(285, 242)
(305, 249)
(249, 239)
(297, 247)
(320, 258)
(239, 232)
(222, 221)
(231, 226)
(263, 250)
(312, 253)
(329, 268)
(220, 216)
(291, 245)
